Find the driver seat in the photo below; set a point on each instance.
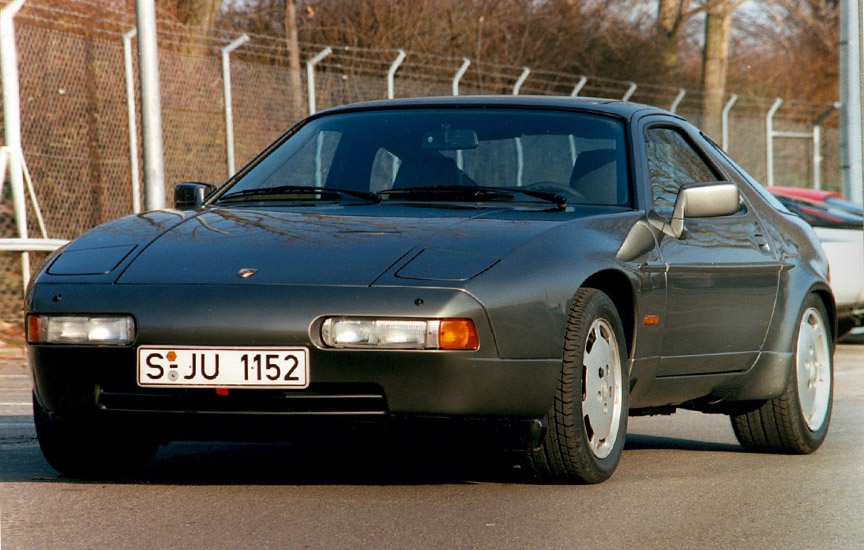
(428, 170)
(595, 176)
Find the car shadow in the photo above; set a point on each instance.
(384, 461)
(652, 442)
(316, 464)
(192, 463)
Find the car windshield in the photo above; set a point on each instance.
(445, 154)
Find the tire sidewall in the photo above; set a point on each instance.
(813, 439)
(601, 306)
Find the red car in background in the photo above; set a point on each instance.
(838, 222)
(830, 198)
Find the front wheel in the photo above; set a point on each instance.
(797, 421)
(587, 422)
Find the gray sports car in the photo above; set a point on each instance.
(537, 268)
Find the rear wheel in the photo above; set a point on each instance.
(588, 421)
(89, 449)
(797, 421)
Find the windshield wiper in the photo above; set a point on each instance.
(472, 193)
(301, 192)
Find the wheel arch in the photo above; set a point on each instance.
(618, 287)
(827, 298)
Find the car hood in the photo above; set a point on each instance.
(314, 246)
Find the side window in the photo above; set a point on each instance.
(672, 162)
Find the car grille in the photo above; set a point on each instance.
(319, 399)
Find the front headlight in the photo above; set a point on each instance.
(116, 330)
(359, 332)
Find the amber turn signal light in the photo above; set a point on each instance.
(456, 334)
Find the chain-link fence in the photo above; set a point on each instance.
(76, 138)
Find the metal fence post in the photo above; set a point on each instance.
(151, 105)
(391, 74)
(724, 121)
(817, 144)
(460, 160)
(226, 94)
(769, 139)
(817, 157)
(579, 85)
(520, 153)
(850, 97)
(4, 159)
(130, 115)
(677, 101)
(12, 123)
(521, 80)
(310, 76)
(459, 74)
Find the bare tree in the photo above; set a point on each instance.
(715, 62)
(671, 16)
(793, 41)
(794, 51)
(293, 43)
(198, 13)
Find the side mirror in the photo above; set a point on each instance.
(189, 195)
(704, 200)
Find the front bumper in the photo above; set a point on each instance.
(101, 380)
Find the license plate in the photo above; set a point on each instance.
(185, 367)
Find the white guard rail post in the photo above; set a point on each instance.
(226, 94)
(814, 135)
(520, 153)
(769, 140)
(459, 74)
(724, 121)
(151, 105)
(460, 161)
(579, 85)
(677, 101)
(130, 115)
(817, 143)
(521, 80)
(310, 76)
(12, 123)
(391, 74)
(32, 245)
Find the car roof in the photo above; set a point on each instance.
(617, 107)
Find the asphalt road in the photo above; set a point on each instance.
(683, 482)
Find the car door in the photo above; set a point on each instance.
(721, 275)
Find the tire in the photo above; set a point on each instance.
(89, 449)
(587, 423)
(797, 421)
